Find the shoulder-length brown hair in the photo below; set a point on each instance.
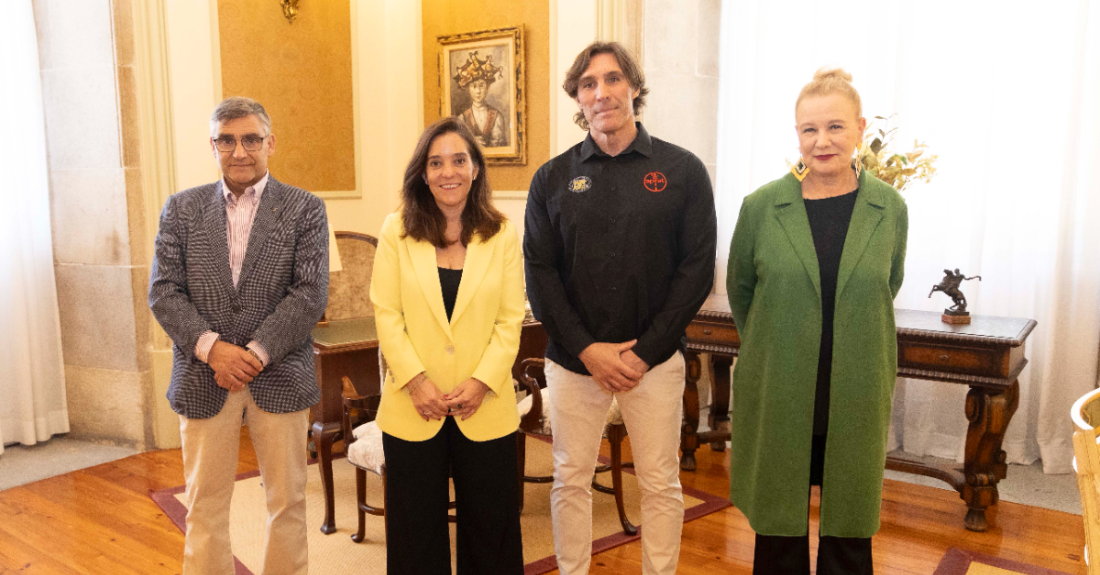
(627, 63)
(423, 219)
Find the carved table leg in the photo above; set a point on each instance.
(324, 434)
(989, 412)
(719, 418)
(689, 441)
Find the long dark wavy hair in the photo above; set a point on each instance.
(423, 219)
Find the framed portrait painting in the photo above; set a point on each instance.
(482, 79)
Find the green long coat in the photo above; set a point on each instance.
(774, 289)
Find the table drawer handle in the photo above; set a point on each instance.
(706, 331)
(944, 358)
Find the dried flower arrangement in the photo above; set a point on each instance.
(898, 170)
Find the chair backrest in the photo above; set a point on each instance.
(1086, 424)
(349, 288)
(532, 379)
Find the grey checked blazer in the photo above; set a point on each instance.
(281, 293)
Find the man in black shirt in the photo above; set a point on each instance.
(619, 249)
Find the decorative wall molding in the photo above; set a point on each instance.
(158, 181)
(573, 25)
(356, 107)
(158, 166)
(622, 21)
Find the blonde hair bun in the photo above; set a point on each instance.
(831, 81)
(826, 74)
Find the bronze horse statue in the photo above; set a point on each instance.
(950, 286)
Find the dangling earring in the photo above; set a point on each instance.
(800, 170)
(857, 165)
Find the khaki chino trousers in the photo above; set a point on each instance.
(652, 413)
(210, 449)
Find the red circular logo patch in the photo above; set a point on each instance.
(655, 182)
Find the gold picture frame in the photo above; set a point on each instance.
(481, 79)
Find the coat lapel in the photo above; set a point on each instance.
(865, 218)
(791, 213)
(269, 212)
(427, 274)
(478, 256)
(214, 217)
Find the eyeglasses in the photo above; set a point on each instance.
(229, 143)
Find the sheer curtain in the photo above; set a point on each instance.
(32, 378)
(1009, 98)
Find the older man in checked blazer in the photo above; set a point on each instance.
(239, 278)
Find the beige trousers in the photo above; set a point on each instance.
(210, 448)
(652, 414)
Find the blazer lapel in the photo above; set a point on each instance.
(478, 256)
(865, 218)
(427, 274)
(268, 213)
(214, 217)
(791, 213)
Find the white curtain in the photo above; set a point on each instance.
(1008, 96)
(32, 378)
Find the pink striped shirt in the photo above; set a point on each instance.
(239, 215)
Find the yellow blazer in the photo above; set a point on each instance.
(480, 341)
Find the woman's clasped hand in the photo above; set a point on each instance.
(461, 402)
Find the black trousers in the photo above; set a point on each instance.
(486, 499)
(777, 555)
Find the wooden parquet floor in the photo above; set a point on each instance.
(101, 520)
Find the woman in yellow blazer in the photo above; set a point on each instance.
(447, 289)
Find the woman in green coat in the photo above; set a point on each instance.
(816, 260)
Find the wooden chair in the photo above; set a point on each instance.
(1086, 424)
(364, 448)
(348, 288)
(535, 420)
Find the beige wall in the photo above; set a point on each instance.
(100, 241)
(301, 73)
(681, 67)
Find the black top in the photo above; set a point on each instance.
(619, 248)
(829, 220)
(449, 280)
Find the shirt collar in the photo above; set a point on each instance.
(258, 187)
(642, 144)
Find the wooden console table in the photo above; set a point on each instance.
(342, 347)
(987, 355)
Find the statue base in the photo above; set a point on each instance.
(955, 317)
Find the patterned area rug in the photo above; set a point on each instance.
(961, 562)
(336, 553)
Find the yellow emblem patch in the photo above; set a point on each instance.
(580, 184)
